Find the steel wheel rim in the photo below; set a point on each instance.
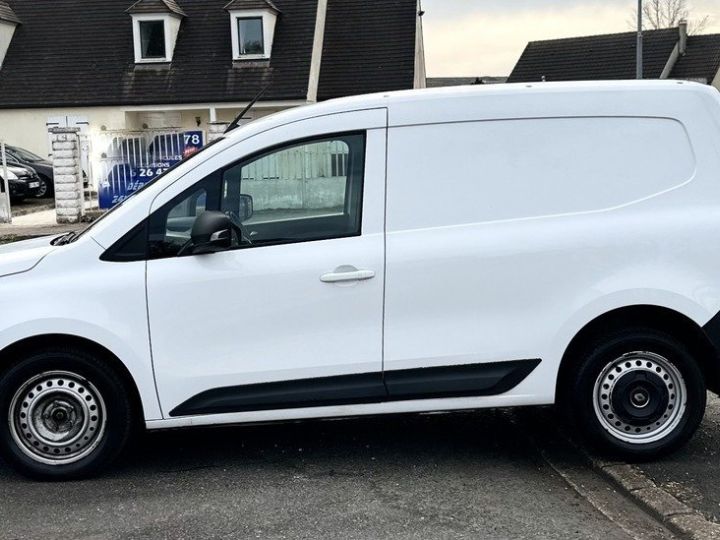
(648, 405)
(57, 418)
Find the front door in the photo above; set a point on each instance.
(291, 317)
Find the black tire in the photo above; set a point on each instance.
(45, 189)
(620, 392)
(76, 374)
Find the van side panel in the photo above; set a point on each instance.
(504, 238)
(479, 172)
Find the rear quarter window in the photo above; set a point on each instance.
(471, 172)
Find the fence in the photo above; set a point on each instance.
(311, 176)
(130, 159)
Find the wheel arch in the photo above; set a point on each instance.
(24, 346)
(653, 316)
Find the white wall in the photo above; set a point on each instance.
(27, 128)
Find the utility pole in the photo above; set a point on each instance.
(640, 41)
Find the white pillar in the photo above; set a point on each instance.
(5, 212)
(216, 130)
(69, 207)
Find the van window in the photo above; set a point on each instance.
(473, 172)
(311, 190)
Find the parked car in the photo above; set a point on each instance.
(41, 165)
(396, 253)
(23, 182)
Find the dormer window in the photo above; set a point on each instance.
(250, 35)
(156, 24)
(8, 23)
(252, 24)
(152, 40)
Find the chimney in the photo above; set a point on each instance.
(683, 28)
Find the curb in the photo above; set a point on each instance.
(677, 516)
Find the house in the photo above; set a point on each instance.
(112, 66)
(442, 82)
(668, 54)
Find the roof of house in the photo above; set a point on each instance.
(7, 14)
(613, 56)
(368, 49)
(251, 4)
(441, 82)
(80, 53)
(702, 60)
(156, 6)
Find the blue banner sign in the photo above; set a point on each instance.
(133, 165)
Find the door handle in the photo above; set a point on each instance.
(347, 273)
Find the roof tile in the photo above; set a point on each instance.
(604, 57)
(251, 4)
(156, 6)
(701, 61)
(368, 47)
(7, 14)
(80, 53)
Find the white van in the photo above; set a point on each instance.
(407, 252)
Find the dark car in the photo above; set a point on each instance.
(21, 182)
(42, 166)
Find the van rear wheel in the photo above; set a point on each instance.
(63, 415)
(637, 393)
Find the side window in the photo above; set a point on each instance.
(311, 190)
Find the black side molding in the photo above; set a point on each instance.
(425, 383)
(458, 381)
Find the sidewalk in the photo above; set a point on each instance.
(692, 475)
(41, 223)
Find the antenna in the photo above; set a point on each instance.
(236, 123)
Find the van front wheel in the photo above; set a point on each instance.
(65, 414)
(638, 394)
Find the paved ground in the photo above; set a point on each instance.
(409, 477)
(37, 218)
(30, 206)
(693, 474)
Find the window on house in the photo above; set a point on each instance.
(250, 35)
(152, 40)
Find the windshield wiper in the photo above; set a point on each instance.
(64, 239)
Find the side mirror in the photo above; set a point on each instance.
(246, 207)
(211, 232)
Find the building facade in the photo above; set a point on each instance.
(114, 66)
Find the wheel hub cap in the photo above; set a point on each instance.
(640, 397)
(57, 418)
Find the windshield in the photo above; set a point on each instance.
(149, 183)
(25, 155)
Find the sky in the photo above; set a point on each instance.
(467, 38)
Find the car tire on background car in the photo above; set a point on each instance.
(45, 189)
(636, 393)
(63, 414)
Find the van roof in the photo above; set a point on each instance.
(436, 104)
